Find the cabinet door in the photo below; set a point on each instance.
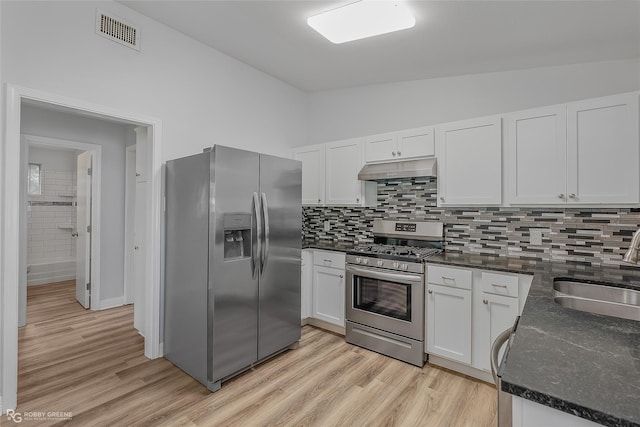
(313, 178)
(449, 322)
(328, 295)
(344, 161)
(306, 283)
(497, 314)
(380, 147)
(416, 143)
(603, 152)
(536, 147)
(470, 156)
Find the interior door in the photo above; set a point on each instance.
(83, 228)
(139, 257)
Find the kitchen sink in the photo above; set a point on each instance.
(598, 299)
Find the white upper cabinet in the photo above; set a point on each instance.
(419, 142)
(344, 161)
(583, 153)
(381, 147)
(602, 150)
(470, 162)
(313, 173)
(403, 145)
(536, 156)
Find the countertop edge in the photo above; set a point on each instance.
(566, 406)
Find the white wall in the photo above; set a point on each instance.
(113, 138)
(367, 110)
(202, 96)
(53, 159)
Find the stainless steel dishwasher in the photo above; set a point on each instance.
(505, 418)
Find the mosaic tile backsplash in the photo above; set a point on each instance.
(581, 236)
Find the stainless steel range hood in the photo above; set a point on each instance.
(403, 169)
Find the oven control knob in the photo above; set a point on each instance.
(380, 263)
(358, 260)
(365, 261)
(404, 266)
(396, 265)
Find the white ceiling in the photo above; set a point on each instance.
(450, 37)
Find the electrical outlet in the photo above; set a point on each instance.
(535, 236)
(327, 226)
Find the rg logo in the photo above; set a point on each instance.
(16, 417)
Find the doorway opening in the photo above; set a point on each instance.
(14, 261)
(58, 180)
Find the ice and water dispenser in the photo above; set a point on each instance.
(237, 236)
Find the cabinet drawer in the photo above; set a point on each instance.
(447, 276)
(329, 259)
(500, 284)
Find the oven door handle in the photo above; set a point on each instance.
(374, 274)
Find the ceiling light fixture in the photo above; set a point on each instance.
(362, 19)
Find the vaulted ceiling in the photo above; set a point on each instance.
(450, 38)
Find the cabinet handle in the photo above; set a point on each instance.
(430, 291)
(442, 198)
(484, 301)
(341, 276)
(319, 200)
(399, 153)
(393, 153)
(137, 173)
(327, 260)
(357, 200)
(561, 195)
(499, 286)
(572, 196)
(448, 278)
(136, 248)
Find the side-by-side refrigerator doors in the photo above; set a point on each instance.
(281, 215)
(233, 257)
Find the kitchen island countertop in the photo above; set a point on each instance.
(581, 363)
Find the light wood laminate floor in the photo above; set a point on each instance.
(92, 364)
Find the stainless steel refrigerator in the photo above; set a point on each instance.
(232, 279)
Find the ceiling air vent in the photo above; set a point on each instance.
(115, 29)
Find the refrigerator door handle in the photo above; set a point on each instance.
(265, 217)
(256, 256)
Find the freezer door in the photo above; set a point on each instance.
(233, 256)
(281, 200)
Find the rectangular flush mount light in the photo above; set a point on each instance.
(362, 19)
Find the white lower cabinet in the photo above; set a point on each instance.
(497, 313)
(466, 310)
(449, 322)
(328, 287)
(531, 414)
(306, 283)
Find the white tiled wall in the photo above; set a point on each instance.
(46, 240)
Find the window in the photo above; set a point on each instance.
(35, 186)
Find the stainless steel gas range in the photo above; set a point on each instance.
(385, 308)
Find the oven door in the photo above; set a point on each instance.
(387, 300)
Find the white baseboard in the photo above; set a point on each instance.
(111, 303)
(462, 368)
(326, 326)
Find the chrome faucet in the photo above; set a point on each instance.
(631, 256)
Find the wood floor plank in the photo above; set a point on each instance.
(92, 363)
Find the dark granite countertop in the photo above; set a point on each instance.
(328, 245)
(581, 363)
